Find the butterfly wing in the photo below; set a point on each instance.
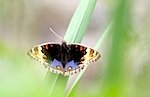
(48, 54)
(80, 56)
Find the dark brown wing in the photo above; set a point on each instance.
(83, 54)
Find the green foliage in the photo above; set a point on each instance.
(114, 78)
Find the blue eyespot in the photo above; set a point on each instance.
(71, 64)
(56, 63)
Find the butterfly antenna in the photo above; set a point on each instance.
(56, 34)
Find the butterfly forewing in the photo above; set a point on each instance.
(83, 54)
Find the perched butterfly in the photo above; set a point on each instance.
(65, 59)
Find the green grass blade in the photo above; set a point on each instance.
(79, 21)
(103, 36)
(59, 86)
(114, 78)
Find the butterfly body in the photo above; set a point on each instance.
(64, 58)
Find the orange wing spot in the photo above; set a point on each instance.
(81, 48)
(91, 51)
(46, 46)
(35, 50)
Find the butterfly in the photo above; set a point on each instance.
(65, 59)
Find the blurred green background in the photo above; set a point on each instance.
(24, 24)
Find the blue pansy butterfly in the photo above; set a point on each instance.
(65, 59)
